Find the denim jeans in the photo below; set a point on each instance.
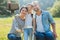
(45, 36)
(28, 33)
(13, 37)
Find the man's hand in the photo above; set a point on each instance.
(34, 31)
(54, 30)
(55, 34)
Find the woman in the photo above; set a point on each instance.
(18, 24)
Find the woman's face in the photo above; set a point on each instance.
(24, 11)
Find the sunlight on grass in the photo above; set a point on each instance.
(57, 20)
(5, 25)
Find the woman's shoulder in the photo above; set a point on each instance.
(17, 16)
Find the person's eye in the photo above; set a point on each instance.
(22, 10)
(25, 10)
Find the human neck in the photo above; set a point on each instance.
(39, 12)
(22, 16)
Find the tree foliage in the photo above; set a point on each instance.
(3, 10)
(55, 10)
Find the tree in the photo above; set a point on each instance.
(1, 1)
(3, 10)
(55, 10)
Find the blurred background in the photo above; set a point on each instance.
(8, 8)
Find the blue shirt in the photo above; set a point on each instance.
(47, 19)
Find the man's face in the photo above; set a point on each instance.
(36, 7)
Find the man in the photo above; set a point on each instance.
(42, 28)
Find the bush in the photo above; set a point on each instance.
(3, 11)
(55, 10)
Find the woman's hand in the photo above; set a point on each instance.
(20, 31)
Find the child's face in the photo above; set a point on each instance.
(30, 7)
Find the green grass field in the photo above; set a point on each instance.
(5, 25)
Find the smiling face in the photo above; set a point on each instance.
(36, 7)
(24, 10)
(30, 7)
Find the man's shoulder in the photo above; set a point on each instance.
(45, 12)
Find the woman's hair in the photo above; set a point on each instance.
(23, 7)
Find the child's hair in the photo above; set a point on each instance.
(25, 8)
(30, 4)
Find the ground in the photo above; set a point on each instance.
(5, 26)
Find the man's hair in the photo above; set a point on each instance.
(35, 2)
(23, 7)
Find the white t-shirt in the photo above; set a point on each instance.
(28, 21)
(39, 23)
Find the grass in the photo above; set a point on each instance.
(57, 20)
(5, 26)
